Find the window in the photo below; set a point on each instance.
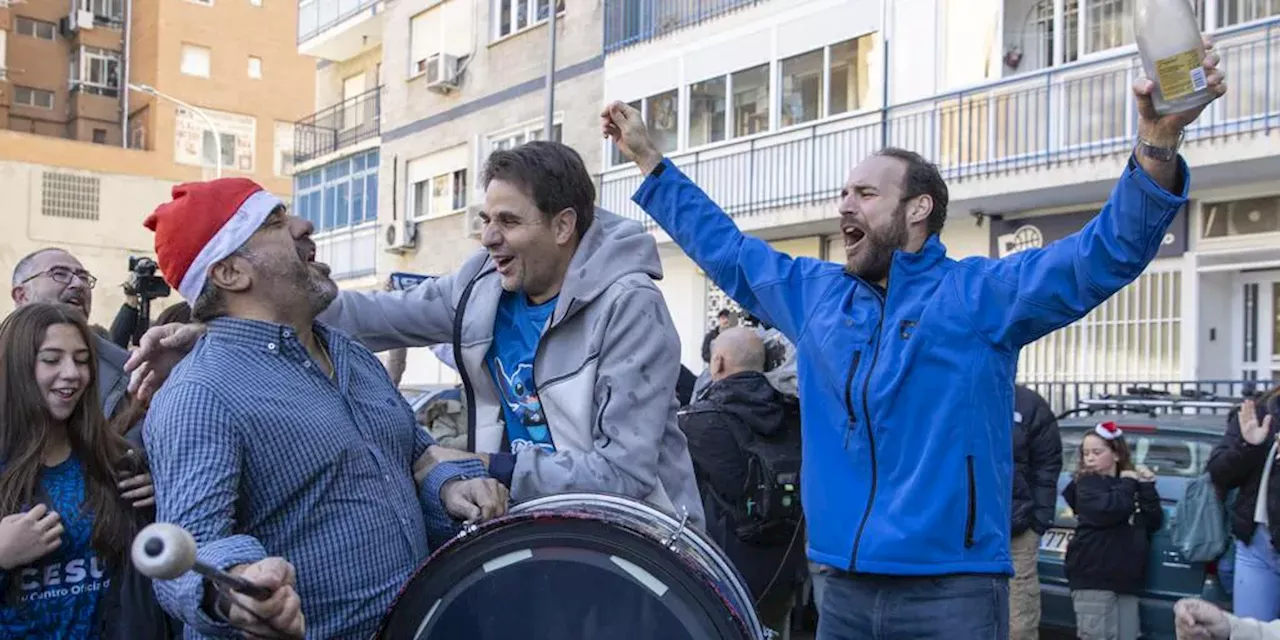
(96, 71)
(440, 195)
(100, 136)
(255, 3)
(255, 68)
(801, 88)
(105, 11)
(29, 97)
(209, 149)
(850, 75)
(662, 115)
(513, 16)
(751, 101)
(34, 28)
(1110, 24)
(195, 60)
(444, 28)
(341, 194)
(707, 111)
(69, 195)
(517, 137)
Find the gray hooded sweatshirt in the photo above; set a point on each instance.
(606, 367)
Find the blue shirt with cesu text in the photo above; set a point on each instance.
(58, 594)
(517, 329)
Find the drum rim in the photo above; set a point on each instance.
(644, 509)
(747, 623)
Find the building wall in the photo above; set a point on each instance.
(330, 76)
(103, 244)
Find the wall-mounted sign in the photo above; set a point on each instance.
(1011, 236)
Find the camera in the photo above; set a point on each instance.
(143, 279)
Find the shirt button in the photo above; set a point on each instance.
(271, 346)
(288, 333)
(307, 364)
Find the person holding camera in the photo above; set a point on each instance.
(140, 289)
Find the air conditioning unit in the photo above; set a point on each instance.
(400, 236)
(442, 73)
(472, 223)
(81, 19)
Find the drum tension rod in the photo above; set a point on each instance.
(670, 543)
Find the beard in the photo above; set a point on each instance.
(875, 256)
(300, 284)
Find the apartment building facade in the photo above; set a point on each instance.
(1026, 108)
(457, 80)
(106, 104)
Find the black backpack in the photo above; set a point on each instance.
(771, 510)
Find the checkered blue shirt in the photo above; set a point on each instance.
(257, 453)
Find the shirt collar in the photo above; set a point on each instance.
(265, 335)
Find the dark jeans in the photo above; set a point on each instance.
(862, 607)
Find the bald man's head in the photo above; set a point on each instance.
(736, 350)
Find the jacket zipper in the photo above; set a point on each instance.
(462, 367)
(848, 397)
(871, 438)
(972, 515)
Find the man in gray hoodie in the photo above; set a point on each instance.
(565, 347)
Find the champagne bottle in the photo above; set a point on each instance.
(1168, 36)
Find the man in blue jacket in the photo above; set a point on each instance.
(907, 362)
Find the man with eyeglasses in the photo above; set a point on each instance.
(53, 275)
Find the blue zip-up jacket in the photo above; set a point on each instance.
(906, 397)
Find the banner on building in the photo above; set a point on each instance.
(194, 143)
(1011, 236)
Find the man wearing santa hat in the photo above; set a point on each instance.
(278, 437)
(566, 350)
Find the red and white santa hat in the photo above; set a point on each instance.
(204, 223)
(1108, 430)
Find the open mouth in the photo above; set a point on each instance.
(853, 235)
(75, 300)
(66, 393)
(308, 255)
(503, 262)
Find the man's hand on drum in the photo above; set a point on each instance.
(475, 500)
(279, 616)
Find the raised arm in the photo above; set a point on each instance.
(768, 283)
(1034, 292)
(196, 464)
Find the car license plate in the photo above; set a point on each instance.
(1055, 540)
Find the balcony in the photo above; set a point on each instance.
(330, 130)
(629, 22)
(338, 30)
(1055, 117)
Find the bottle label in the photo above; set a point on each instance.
(1180, 75)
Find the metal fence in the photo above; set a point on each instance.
(1067, 396)
(342, 125)
(628, 22)
(1063, 114)
(317, 16)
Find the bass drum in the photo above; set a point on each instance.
(579, 566)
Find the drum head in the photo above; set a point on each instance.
(561, 577)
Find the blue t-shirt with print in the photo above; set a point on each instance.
(516, 332)
(59, 593)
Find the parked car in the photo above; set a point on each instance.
(1176, 446)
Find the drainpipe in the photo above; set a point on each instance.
(884, 73)
(124, 75)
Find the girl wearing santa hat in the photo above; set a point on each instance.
(1117, 510)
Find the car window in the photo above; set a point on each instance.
(1166, 455)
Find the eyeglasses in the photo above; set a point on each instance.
(64, 276)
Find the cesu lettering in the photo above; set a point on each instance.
(57, 573)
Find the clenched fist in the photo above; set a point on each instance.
(622, 123)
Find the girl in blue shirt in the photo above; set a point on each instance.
(64, 527)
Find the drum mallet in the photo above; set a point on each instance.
(165, 551)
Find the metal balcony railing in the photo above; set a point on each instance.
(351, 121)
(628, 22)
(1063, 114)
(317, 16)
